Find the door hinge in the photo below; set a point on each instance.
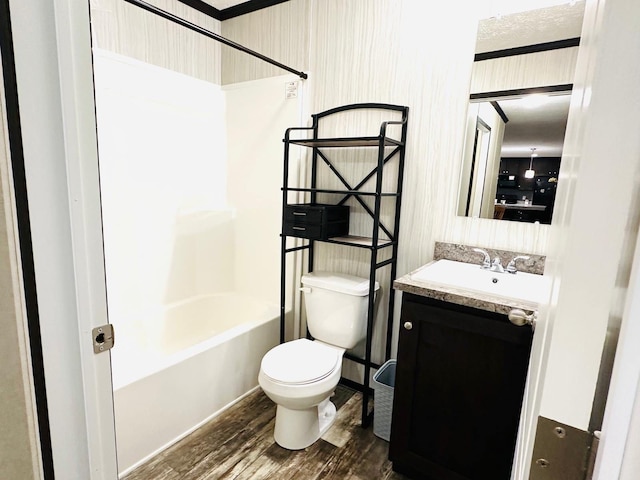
(560, 451)
(103, 338)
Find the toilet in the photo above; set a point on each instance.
(300, 376)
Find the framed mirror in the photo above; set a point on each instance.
(518, 108)
(512, 157)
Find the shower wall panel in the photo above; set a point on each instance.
(257, 115)
(167, 227)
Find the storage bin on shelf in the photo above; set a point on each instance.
(316, 221)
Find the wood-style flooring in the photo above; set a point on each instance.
(239, 445)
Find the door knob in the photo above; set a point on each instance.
(408, 325)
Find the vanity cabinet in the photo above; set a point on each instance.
(460, 380)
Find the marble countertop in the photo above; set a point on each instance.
(459, 296)
(464, 253)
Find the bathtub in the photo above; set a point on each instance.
(176, 368)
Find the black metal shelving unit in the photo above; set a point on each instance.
(388, 150)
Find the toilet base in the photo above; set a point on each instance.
(297, 429)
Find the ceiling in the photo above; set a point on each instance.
(222, 4)
(530, 27)
(540, 124)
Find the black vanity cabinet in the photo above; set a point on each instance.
(460, 379)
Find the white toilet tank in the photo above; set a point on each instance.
(336, 306)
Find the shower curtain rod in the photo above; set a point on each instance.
(169, 16)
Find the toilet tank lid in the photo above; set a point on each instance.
(338, 282)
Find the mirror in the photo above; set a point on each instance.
(517, 115)
(511, 163)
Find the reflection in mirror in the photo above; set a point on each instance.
(512, 155)
(520, 93)
(478, 167)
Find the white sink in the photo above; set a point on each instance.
(467, 276)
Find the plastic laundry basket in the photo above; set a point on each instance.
(383, 385)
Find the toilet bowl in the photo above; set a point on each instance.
(300, 375)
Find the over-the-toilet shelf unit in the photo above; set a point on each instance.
(384, 151)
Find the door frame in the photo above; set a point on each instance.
(623, 402)
(52, 45)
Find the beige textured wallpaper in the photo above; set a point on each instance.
(391, 52)
(19, 455)
(128, 30)
(280, 32)
(554, 67)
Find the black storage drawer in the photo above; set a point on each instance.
(316, 213)
(317, 232)
(316, 221)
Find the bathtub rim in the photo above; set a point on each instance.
(160, 363)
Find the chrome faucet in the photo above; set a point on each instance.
(496, 265)
(511, 266)
(486, 263)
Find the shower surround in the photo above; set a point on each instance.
(190, 176)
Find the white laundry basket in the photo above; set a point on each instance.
(383, 385)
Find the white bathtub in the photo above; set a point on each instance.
(191, 361)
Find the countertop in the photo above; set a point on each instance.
(469, 298)
(522, 206)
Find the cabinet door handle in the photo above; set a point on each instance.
(519, 317)
(408, 325)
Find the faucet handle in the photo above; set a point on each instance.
(511, 267)
(486, 263)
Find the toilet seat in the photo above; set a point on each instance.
(300, 362)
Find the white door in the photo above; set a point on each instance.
(52, 48)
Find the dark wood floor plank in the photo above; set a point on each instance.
(223, 437)
(156, 470)
(276, 462)
(363, 456)
(236, 456)
(239, 445)
(308, 463)
(346, 418)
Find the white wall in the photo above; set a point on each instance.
(594, 234)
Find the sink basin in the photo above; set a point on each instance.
(467, 276)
